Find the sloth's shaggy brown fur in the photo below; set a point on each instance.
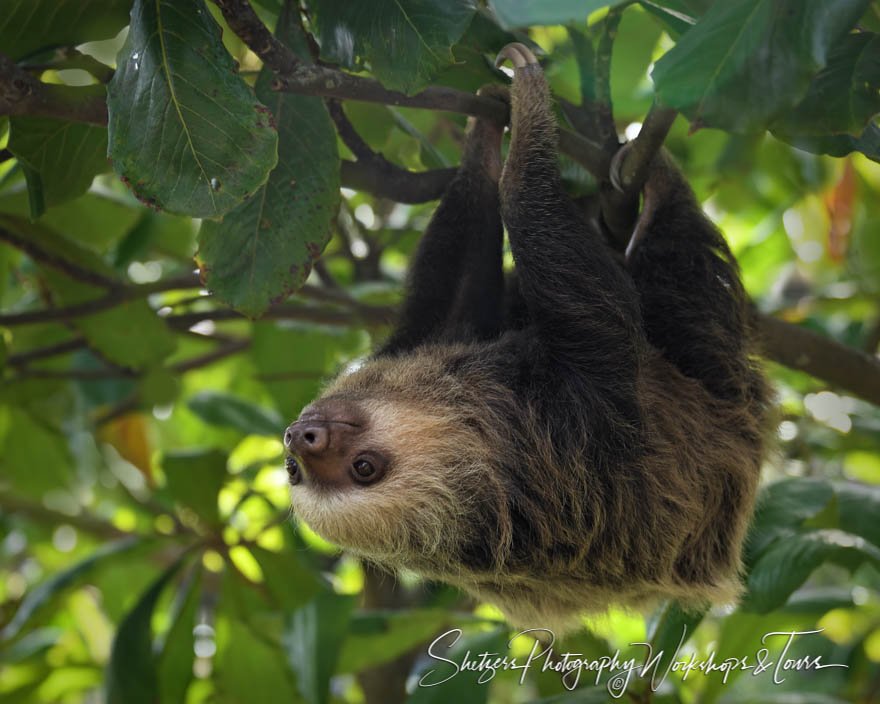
(600, 444)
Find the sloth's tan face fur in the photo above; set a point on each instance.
(428, 465)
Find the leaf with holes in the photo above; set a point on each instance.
(29, 25)
(187, 134)
(405, 42)
(747, 61)
(264, 249)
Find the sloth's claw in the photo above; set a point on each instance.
(616, 165)
(519, 54)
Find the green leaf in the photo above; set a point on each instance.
(264, 249)
(293, 360)
(380, 636)
(843, 96)
(747, 61)
(174, 664)
(131, 672)
(129, 334)
(787, 563)
(405, 42)
(64, 156)
(673, 13)
(287, 579)
(313, 638)
(24, 444)
(29, 25)
(859, 510)
(525, 13)
(230, 411)
(249, 669)
(783, 506)
(58, 582)
(868, 143)
(631, 90)
(195, 478)
(186, 132)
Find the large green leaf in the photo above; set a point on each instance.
(787, 563)
(783, 506)
(63, 157)
(264, 248)
(195, 478)
(58, 582)
(747, 61)
(29, 25)
(129, 334)
(186, 132)
(131, 673)
(230, 411)
(313, 638)
(405, 42)
(524, 13)
(844, 95)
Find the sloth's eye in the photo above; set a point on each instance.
(363, 469)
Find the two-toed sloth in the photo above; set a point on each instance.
(590, 435)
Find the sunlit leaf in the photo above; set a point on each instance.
(187, 134)
(291, 583)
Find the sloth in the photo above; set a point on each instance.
(588, 434)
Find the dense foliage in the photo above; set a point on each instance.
(148, 553)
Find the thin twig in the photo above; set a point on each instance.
(38, 254)
(23, 358)
(11, 504)
(604, 110)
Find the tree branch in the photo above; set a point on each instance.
(22, 94)
(634, 168)
(804, 350)
(604, 109)
(65, 266)
(125, 292)
(24, 358)
(12, 504)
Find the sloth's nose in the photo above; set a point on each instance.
(310, 437)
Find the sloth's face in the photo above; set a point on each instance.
(382, 474)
